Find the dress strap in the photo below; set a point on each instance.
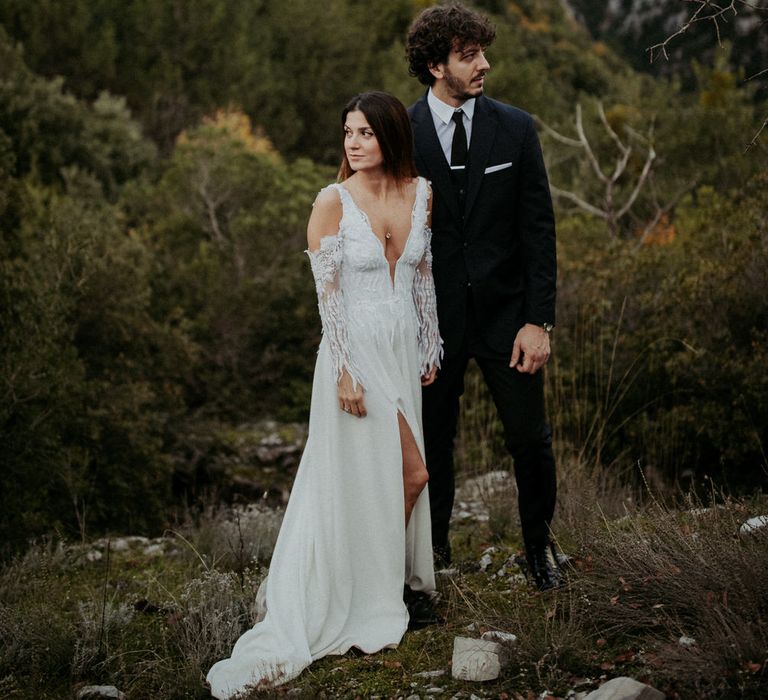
(343, 193)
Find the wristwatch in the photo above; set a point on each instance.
(548, 327)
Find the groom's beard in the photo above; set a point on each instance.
(459, 89)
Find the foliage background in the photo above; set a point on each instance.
(158, 162)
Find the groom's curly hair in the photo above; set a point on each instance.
(437, 30)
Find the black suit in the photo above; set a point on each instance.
(494, 265)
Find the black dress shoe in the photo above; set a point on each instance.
(543, 566)
(421, 611)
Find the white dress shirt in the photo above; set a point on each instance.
(442, 115)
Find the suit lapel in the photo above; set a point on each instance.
(483, 133)
(430, 153)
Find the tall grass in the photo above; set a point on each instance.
(651, 563)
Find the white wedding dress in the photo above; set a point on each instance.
(343, 552)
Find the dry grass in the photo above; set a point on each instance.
(665, 575)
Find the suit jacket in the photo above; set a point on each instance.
(501, 246)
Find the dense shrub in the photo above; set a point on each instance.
(661, 349)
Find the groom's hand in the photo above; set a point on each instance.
(531, 349)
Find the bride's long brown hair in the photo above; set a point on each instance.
(387, 117)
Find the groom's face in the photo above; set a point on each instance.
(462, 76)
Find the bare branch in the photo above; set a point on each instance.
(758, 74)
(578, 201)
(710, 11)
(621, 165)
(664, 209)
(640, 182)
(662, 46)
(609, 210)
(706, 11)
(609, 129)
(755, 138)
(556, 134)
(587, 148)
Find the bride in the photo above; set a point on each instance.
(356, 530)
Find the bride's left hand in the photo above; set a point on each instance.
(429, 377)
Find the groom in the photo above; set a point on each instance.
(493, 248)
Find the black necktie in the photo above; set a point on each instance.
(459, 143)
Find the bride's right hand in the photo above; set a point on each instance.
(350, 397)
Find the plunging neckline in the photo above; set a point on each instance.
(366, 219)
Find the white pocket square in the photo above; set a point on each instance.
(495, 168)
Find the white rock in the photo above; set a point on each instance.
(485, 562)
(434, 690)
(686, 641)
(471, 627)
(94, 555)
(413, 697)
(476, 659)
(96, 692)
(154, 550)
(753, 524)
(623, 688)
(450, 573)
(430, 674)
(500, 637)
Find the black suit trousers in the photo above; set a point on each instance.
(519, 400)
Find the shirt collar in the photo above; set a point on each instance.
(445, 111)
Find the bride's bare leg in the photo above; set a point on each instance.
(415, 475)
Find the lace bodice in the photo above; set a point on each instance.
(358, 295)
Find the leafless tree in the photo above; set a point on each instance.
(609, 208)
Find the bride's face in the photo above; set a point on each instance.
(360, 143)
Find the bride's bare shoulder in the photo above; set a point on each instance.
(325, 217)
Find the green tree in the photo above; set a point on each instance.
(227, 227)
(48, 129)
(90, 381)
